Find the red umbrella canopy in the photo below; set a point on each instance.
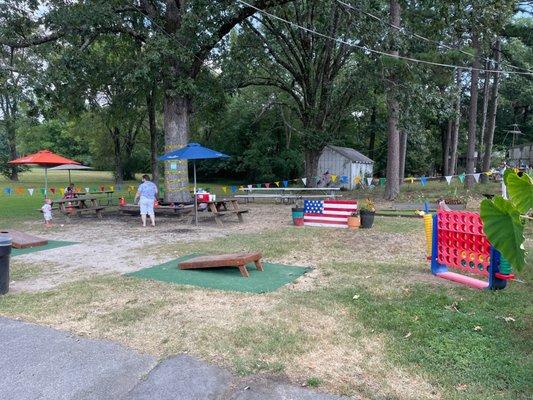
(44, 158)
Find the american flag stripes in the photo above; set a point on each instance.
(328, 213)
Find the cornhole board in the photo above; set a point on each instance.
(238, 260)
(21, 240)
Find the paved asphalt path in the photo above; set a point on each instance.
(43, 363)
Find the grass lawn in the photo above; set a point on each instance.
(370, 320)
(376, 325)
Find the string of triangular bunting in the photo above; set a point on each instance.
(19, 190)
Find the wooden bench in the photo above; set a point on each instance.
(238, 260)
(79, 211)
(166, 210)
(283, 198)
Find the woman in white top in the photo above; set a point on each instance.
(147, 195)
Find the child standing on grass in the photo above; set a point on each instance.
(47, 212)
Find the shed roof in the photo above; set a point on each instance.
(351, 154)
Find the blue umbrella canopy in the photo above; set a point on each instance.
(193, 151)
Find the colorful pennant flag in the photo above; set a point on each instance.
(304, 180)
(249, 186)
(476, 177)
(334, 178)
(225, 189)
(267, 185)
(102, 188)
(449, 178)
(112, 188)
(53, 190)
(276, 183)
(344, 179)
(30, 191)
(19, 190)
(233, 189)
(43, 191)
(285, 183)
(87, 190)
(62, 191)
(369, 181)
(7, 191)
(410, 179)
(78, 189)
(423, 180)
(119, 187)
(357, 180)
(382, 181)
(462, 177)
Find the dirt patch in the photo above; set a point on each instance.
(119, 244)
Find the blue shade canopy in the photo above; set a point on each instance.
(193, 151)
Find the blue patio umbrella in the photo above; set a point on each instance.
(193, 151)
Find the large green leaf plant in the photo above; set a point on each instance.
(504, 220)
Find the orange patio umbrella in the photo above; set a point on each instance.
(46, 159)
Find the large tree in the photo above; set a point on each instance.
(318, 74)
(179, 34)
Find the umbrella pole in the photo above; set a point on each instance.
(45, 182)
(69, 180)
(195, 197)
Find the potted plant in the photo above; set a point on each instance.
(354, 221)
(367, 211)
(298, 213)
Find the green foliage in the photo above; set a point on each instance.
(520, 189)
(502, 218)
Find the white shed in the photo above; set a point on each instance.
(345, 162)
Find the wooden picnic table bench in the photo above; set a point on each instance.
(238, 260)
(108, 193)
(166, 210)
(284, 198)
(79, 205)
(223, 207)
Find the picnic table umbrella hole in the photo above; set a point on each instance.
(193, 151)
(45, 159)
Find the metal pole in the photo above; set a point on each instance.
(195, 197)
(45, 182)
(69, 180)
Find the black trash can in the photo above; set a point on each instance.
(5, 251)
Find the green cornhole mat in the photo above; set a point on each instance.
(52, 244)
(273, 277)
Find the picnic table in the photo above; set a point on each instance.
(288, 195)
(222, 207)
(79, 205)
(108, 193)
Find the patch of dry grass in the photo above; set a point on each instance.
(311, 330)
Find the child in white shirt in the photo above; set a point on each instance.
(47, 212)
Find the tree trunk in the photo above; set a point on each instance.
(150, 104)
(403, 153)
(176, 115)
(492, 116)
(372, 143)
(117, 152)
(472, 117)
(311, 167)
(486, 96)
(12, 147)
(392, 188)
(446, 148)
(456, 126)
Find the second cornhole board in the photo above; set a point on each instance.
(21, 240)
(238, 260)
